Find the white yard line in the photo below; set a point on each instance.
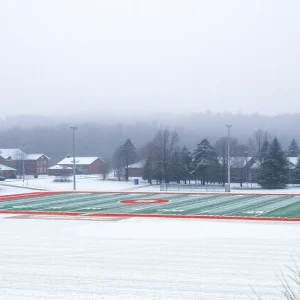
(249, 203)
(279, 206)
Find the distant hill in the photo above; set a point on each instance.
(99, 135)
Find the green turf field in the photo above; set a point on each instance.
(179, 204)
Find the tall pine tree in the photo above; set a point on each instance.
(264, 151)
(204, 157)
(128, 155)
(293, 149)
(274, 168)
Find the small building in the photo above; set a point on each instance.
(84, 165)
(31, 164)
(12, 154)
(136, 169)
(36, 164)
(292, 162)
(60, 171)
(3, 160)
(7, 172)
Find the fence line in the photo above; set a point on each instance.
(191, 187)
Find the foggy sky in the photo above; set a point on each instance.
(136, 56)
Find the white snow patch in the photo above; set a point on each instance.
(143, 259)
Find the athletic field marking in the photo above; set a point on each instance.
(159, 205)
(144, 201)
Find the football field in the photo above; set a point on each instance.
(166, 205)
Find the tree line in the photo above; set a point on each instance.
(100, 134)
(167, 160)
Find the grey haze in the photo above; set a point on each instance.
(117, 57)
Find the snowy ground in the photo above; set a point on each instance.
(143, 259)
(91, 183)
(95, 183)
(7, 190)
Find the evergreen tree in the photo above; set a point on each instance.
(148, 171)
(293, 149)
(186, 163)
(274, 168)
(297, 172)
(153, 168)
(264, 151)
(128, 155)
(204, 157)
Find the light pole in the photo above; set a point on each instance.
(74, 167)
(228, 158)
(23, 162)
(247, 169)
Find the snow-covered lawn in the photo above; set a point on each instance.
(95, 183)
(92, 183)
(143, 259)
(8, 190)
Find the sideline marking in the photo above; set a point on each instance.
(133, 215)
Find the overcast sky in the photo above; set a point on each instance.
(132, 56)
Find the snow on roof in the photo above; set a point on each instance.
(236, 161)
(78, 160)
(35, 156)
(5, 168)
(256, 165)
(58, 167)
(13, 154)
(293, 160)
(139, 165)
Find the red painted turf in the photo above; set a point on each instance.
(131, 215)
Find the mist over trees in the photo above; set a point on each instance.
(101, 136)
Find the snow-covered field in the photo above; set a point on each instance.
(95, 183)
(145, 259)
(92, 183)
(7, 190)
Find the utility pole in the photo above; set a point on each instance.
(23, 163)
(74, 162)
(228, 150)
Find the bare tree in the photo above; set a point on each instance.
(163, 147)
(18, 162)
(117, 164)
(257, 144)
(105, 170)
(222, 150)
(290, 283)
(63, 174)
